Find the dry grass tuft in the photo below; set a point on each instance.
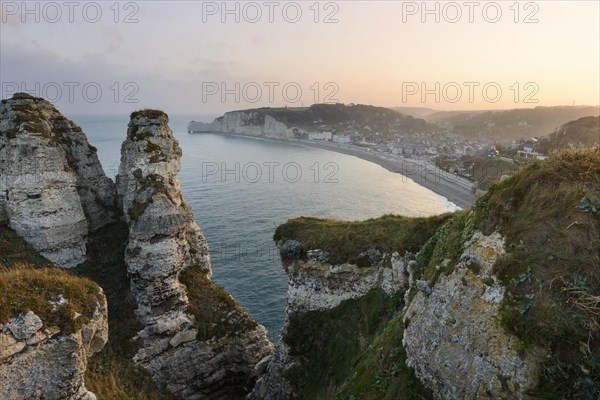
(25, 289)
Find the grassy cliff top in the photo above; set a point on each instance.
(550, 214)
(39, 290)
(345, 240)
(29, 282)
(149, 113)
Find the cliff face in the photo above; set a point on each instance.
(247, 123)
(454, 338)
(196, 339)
(53, 189)
(42, 357)
(293, 122)
(314, 285)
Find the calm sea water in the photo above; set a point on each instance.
(240, 189)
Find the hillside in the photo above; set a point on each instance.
(417, 112)
(510, 124)
(584, 132)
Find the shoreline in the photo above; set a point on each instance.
(455, 189)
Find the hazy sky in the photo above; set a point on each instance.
(193, 57)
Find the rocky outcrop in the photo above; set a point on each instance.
(314, 284)
(41, 362)
(196, 340)
(246, 123)
(454, 338)
(52, 187)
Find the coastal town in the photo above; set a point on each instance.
(477, 160)
(445, 149)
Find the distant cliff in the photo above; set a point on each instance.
(296, 122)
(500, 301)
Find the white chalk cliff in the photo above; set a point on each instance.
(52, 187)
(246, 123)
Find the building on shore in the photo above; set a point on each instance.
(324, 136)
(341, 139)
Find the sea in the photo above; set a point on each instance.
(241, 189)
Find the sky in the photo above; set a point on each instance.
(205, 58)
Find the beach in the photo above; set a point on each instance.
(456, 189)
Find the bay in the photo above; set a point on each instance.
(241, 189)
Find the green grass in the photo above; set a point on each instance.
(353, 351)
(446, 244)
(382, 373)
(14, 250)
(346, 240)
(29, 282)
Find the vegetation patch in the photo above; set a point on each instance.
(150, 114)
(137, 133)
(353, 351)
(42, 291)
(441, 253)
(583, 132)
(137, 209)
(343, 118)
(216, 313)
(348, 241)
